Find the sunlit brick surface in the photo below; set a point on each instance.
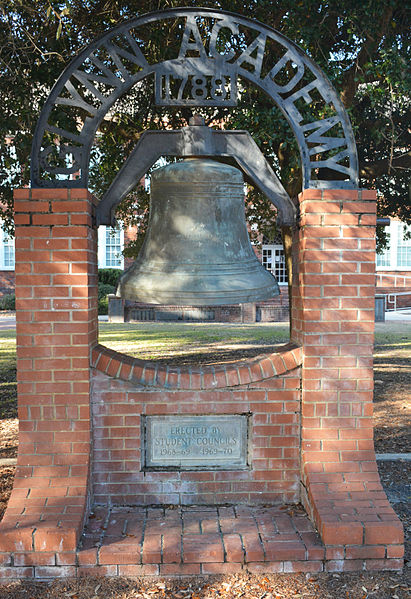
(333, 320)
(198, 536)
(56, 313)
(309, 405)
(273, 475)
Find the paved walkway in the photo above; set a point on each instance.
(8, 322)
(402, 315)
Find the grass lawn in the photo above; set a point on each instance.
(209, 342)
(202, 342)
(193, 342)
(8, 385)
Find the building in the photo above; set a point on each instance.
(6, 263)
(394, 267)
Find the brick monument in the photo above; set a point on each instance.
(96, 491)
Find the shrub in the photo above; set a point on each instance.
(103, 306)
(8, 302)
(109, 276)
(107, 283)
(103, 290)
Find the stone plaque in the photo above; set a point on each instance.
(196, 442)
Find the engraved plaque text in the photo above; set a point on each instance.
(194, 442)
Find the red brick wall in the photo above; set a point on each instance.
(273, 405)
(333, 320)
(272, 478)
(56, 279)
(333, 323)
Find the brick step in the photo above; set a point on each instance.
(178, 541)
(198, 535)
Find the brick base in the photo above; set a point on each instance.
(309, 405)
(266, 389)
(200, 540)
(273, 310)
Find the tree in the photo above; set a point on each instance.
(363, 47)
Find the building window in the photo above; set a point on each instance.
(113, 247)
(110, 247)
(397, 256)
(8, 251)
(273, 259)
(384, 259)
(404, 246)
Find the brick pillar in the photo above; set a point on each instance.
(56, 301)
(333, 320)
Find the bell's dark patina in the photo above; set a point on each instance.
(197, 250)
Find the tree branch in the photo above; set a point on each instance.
(370, 45)
(371, 170)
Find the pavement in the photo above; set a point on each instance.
(7, 322)
(8, 319)
(402, 315)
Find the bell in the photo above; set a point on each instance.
(197, 251)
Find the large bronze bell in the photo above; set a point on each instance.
(197, 251)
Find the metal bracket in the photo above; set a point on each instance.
(196, 140)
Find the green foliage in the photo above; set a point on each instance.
(103, 290)
(8, 302)
(363, 47)
(109, 276)
(107, 283)
(103, 306)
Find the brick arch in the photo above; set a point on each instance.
(58, 391)
(328, 402)
(142, 372)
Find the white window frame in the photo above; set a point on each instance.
(3, 237)
(102, 263)
(404, 243)
(395, 233)
(273, 248)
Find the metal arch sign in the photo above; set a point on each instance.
(212, 58)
